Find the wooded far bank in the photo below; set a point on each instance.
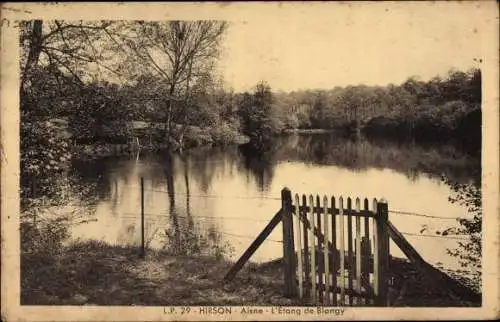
(101, 112)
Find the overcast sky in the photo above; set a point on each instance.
(348, 46)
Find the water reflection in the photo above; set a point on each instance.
(216, 200)
(359, 154)
(259, 164)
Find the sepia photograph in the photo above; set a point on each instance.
(255, 161)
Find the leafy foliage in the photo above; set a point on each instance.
(439, 108)
(43, 238)
(45, 159)
(469, 252)
(258, 115)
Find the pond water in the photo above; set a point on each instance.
(217, 200)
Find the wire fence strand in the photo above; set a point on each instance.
(435, 236)
(166, 215)
(250, 237)
(408, 213)
(253, 237)
(263, 197)
(206, 195)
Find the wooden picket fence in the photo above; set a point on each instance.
(336, 250)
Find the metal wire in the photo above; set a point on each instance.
(206, 196)
(419, 215)
(399, 212)
(438, 236)
(250, 237)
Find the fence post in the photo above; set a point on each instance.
(288, 243)
(33, 188)
(142, 218)
(383, 253)
(33, 195)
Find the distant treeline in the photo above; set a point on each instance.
(440, 109)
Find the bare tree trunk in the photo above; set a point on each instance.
(188, 205)
(186, 106)
(169, 172)
(35, 48)
(168, 121)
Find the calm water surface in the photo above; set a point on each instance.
(217, 200)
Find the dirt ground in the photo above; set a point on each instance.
(94, 273)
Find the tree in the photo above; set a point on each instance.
(258, 115)
(72, 46)
(179, 53)
(319, 111)
(54, 64)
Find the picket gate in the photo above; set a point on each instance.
(335, 250)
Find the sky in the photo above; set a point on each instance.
(349, 45)
(322, 45)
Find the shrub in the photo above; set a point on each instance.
(45, 157)
(469, 253)
(224, 133)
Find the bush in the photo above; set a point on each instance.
(195, 136)
(225, 133)
(43, 238)
(469, 253)
(45, 157)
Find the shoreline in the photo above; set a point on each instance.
(118, 149)
(310, 131)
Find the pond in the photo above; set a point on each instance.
(217, 200)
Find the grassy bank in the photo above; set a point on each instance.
(95, 273)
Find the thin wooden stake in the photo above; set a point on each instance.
(288, 243)
(366, 254)
(142, 218)
(313, 249)
(358, 248)
(320, 248)
(334, 251)
(299, 245)
(326, 251)
(376, 265)
(367, 220)
(341, 251)
(307, 264)
(349, 248)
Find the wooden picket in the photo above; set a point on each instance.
(326, 252)
(333, 258)
(332, 261)
(299, 250)
(358, 248)
(312, 242)
(342, 251)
